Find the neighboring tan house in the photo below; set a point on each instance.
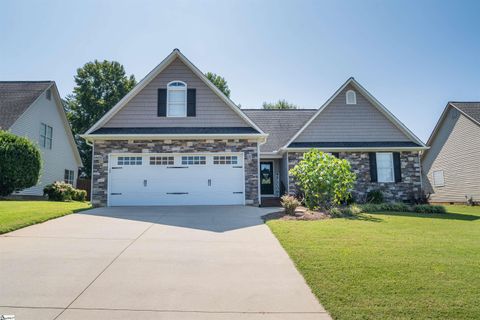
(33, 109)
(451, 167)
(176, 139)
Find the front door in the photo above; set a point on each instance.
(266, 177)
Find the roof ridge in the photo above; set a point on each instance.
(261, 109)
(463, 101)
(26, 81)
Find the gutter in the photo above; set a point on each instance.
(172, 136)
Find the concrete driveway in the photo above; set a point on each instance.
(203, 262)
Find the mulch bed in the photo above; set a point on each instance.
(301, 213)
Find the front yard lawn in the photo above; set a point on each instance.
(18, 214)
(390, 265)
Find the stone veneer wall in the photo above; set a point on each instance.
(411, 184)
(103, 148)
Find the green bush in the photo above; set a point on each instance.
(20, 163)
(79, 195)
(375, 196)
(290, 203)
(335, 212)
(59, 191)
(62, 191)
(426, 208)
(324, 179)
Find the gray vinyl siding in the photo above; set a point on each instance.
(55, 160)
(141, 110)
(341, 122)
(455, 150)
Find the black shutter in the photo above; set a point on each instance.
(162, 103)
(191, 102)
(397, 167)
(336, 154)
(373, 166)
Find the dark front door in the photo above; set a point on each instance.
(266, 177)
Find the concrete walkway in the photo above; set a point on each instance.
(152, 263)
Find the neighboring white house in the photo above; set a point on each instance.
(33, 109)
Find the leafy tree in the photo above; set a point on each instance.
(20, 163)
(280, 104)
(219, 82)
(324, 179)
(99, 86)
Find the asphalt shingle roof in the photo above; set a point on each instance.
(472, 109)
(16, 97)
(281, 125)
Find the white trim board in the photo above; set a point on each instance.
(380, 107)
(156, 71)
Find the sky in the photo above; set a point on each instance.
(413, 56)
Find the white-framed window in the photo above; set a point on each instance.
(69, 176)
(162, 161)
(191, 160)
(351, 97)
(385, 171)
(177, 99)
(438, 178)
(225, 160)
(129, 161)
(46, 136)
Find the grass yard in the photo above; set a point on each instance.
(390, 265)
(18, 214)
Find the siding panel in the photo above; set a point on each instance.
(211, 111)
(55, 160)
(456, 151)
(340, 122)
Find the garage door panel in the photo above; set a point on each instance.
(194, 184)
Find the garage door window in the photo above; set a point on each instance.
(129, 161)
(225, 160)
(191, 160)
(161, 161)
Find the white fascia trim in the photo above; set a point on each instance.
(270, 155)
(152, 74)
(442, 118)
(261, 137)
(379, 149)
(374, 102)
(465, 114)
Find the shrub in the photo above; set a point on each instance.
(20, 163)
(393, 206)
(426, 208)
(79, 195)
(290, 203)
(335, 212)
(324, 179)
(374, 196)
(59, 191)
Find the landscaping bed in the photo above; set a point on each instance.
(18, 214)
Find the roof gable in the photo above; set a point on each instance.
(366, 121)
(16, 97)
(178, 64)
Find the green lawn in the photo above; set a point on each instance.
(18, 214)
(390, 265)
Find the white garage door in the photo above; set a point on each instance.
(176, 179)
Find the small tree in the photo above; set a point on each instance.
(20, 163)
(280, 104)
(219, 82)
(324, 179)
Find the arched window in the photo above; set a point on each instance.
(177, 99)
(351, 97)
